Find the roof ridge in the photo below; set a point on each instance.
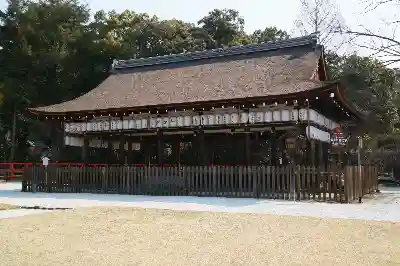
(214, 53)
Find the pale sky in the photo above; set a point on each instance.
(257, 14)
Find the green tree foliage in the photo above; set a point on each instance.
(269, 34)
(224, 26)
(55, 50)
(370, 85)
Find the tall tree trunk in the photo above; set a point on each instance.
(13, 134)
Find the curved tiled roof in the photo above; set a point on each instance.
(248, 71)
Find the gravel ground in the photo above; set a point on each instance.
(127, 236)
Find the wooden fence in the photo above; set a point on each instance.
(270, 182)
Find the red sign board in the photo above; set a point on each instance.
(338, 138)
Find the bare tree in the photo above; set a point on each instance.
(385, 45)
(322, 17)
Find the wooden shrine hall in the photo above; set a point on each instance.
(257, 104)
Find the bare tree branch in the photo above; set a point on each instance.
(322, 17)
(373, 35)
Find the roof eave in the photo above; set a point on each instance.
(339, 92)
(296, 95)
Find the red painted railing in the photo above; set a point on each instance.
(13, 169)
(10, 170)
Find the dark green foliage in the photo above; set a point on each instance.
(54, 50)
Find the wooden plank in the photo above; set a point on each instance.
(346, 185)
(232, 184)
(303, 189)
(196, 171)
(172, 180)
(325, 181)
(214, 179)
(134, 178)
(187, 171)
(274, 185)
(268, 182)
(263, 182)
(279, 182)
(336, 181)
(285, 175)
(240, 178)
(254, 181)
(194, 186)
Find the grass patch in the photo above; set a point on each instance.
(4, 207)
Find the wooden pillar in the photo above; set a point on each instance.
(202, 151)
(308, 156)
(273, 148)
(176, 149)
(247, 147)
(160, 147)
(57, 136)
(320, 153)
(313, 153)
(145, 150)
(325, 159)
(255, 147)
(130, 151)
(122, 149)
(85, 150)
(110, 152)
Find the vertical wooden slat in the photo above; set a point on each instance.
(325, 179)
(253, 173)
(268, 182)
(303, 174)
(273, 178)
(336, 182)
(136, 184)
(214, 179)
(310, 182)
(263, 182)
(187, 170)
(346, 184)
(230, 189)
(193, 171)
(240, 178)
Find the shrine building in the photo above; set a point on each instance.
(257, 104)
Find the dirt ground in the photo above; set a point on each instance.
(126, 236)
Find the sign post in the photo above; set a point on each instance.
(45, 162)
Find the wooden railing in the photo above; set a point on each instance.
(12, 171)
(270, 182)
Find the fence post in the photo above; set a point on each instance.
(296, 183)
(346, 187)
(183, 174)
(24, 178)
(214, 178)
(47, 178)
(255, 173)
(104, 176)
